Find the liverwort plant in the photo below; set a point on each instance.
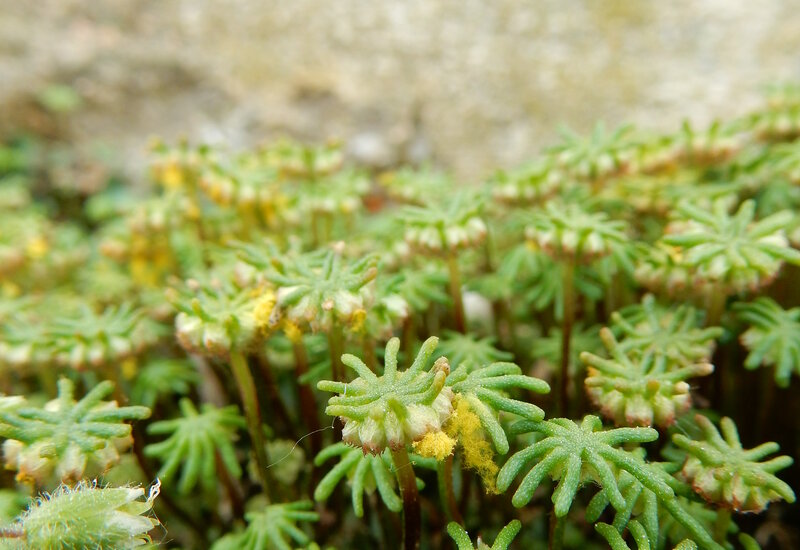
(638, 391)
(730, 253)
(274, 526)
(196, 442)
(595, 158)
(218, 317)
(415, 186)
(669, 337)
(639, 535)
(324, 292)
(653, 521)
(396, 408)
(712, 145)
(572, 235)
(663, 269)
(576, 453)
(88, 339)
(337, 197)
(779, 119)
(392, 411)
(470, 350)
(444, 230)
(527, 184)
(518, 274)
(67, 439)
(485, 390)
(564, 451)
(296, 160)
(773, 337)
(724, 473)
(366, 472)
(222, 321)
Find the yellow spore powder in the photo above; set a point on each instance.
(465, 426)
(436, 445)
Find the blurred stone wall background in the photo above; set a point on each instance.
(468, 84)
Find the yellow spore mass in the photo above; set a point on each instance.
(262, 310)
(465, 426)
(436, 445)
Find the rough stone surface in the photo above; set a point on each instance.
(468, 84)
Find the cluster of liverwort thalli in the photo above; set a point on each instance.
(266, 332)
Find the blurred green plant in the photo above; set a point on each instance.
(734, 252)
(773, 337)
(365, 472)
(196, 442)
(274, 526)
(67, 440)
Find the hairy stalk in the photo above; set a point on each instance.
(412, 518)
(308, 405)
(444, 474)
(557, 525)
(247, 392)
(455, 293)
(566, 332)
